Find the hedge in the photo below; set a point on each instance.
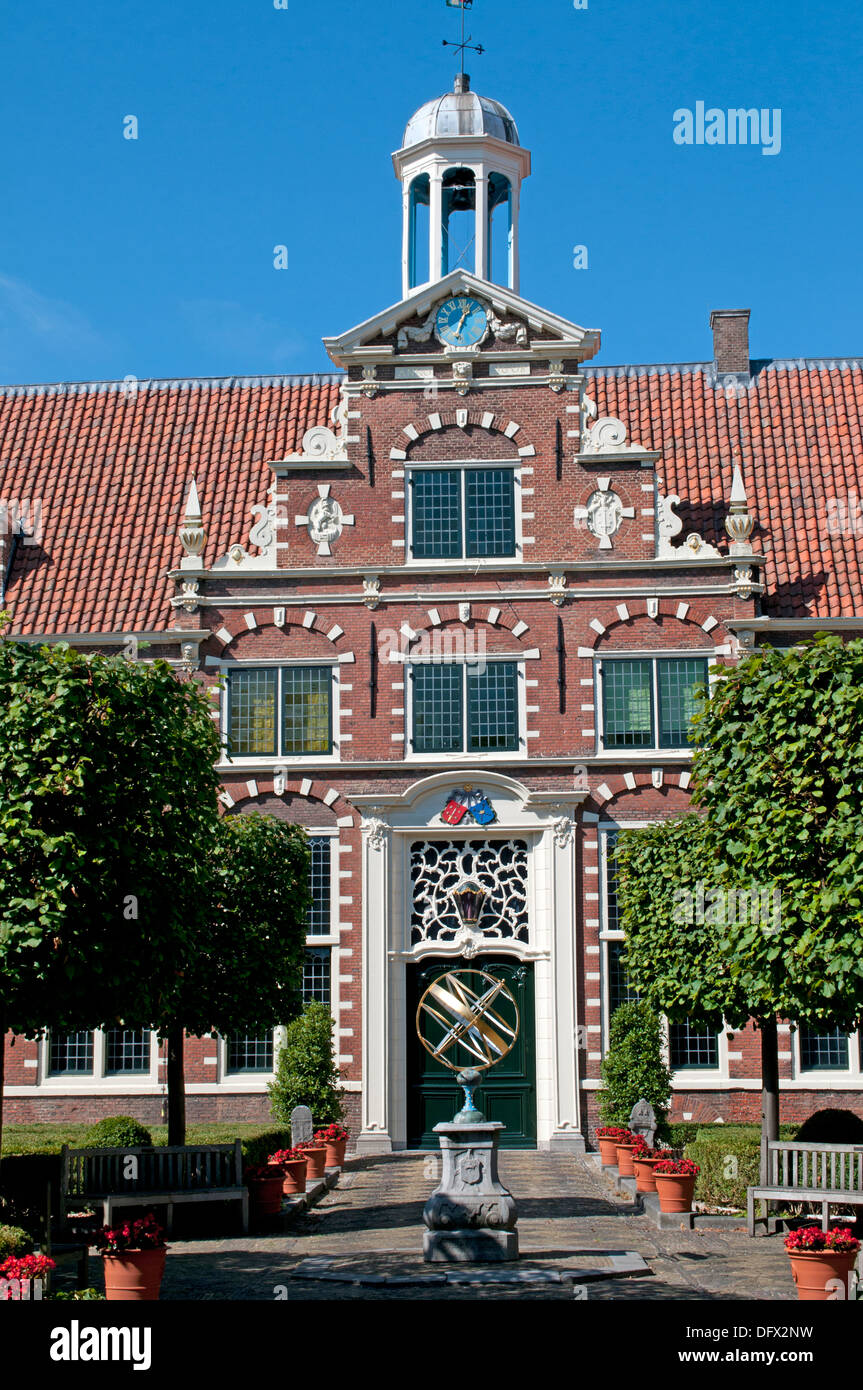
(50, 1138)
(729, 1157)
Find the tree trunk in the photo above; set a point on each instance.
(176, 1085)
(769, 1089)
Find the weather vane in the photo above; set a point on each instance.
(462, 5)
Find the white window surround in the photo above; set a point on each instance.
(77, 1083)
(656, 654)
(255, 764)
(427, 759)
(472, 562)
(818, 1076)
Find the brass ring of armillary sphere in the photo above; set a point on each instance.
(484, 1025)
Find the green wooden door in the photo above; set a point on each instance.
(508, 1090)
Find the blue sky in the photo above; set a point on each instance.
(260, 126)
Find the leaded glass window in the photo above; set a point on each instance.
(320, 872)
(620, 991)
(459, 709)
(492, 709)
(694, 1045)
(306, 709)
(490, 511)
(680, 683)
(628, 704)
(436, 514)
(127, 1050)
(252, 699)
(250, 1054)
(650, 704)
(823, 1051)
(280, 711)
(71, 1053)
(437, 708)
(462, 512)
(317, 975)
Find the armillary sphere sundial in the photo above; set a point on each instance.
(467, 1020)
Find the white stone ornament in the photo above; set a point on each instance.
(604, 513)
(325, 520)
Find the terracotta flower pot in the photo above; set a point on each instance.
(607, 1150)
(675, 1191)
(316, 1162)
(265, 1194)
(818, 1274)
(336, 1153)
(294, 1176)
(644, 1179)
(134, 1276)
(624, 1160)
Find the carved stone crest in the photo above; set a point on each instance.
(325, 520)
(604, 513)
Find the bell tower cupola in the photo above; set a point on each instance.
(461, 168)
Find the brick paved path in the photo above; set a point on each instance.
(371, 1225)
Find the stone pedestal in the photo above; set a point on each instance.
(471, 1217)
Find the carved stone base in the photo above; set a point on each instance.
(471, 1215)
(469, 1247)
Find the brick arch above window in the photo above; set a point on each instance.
(238, 625)
(641, 615)
(259, 789)
(459, 427)
(637, 781)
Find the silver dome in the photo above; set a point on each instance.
(461, 112)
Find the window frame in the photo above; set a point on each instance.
(654, 748)
(463, 466)
(683, 1077)
(261, 760)
(516, 659)
(853, 1071)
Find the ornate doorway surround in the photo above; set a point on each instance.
(525, 862)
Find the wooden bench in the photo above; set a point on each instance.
(829, 1174)
(139, 1177)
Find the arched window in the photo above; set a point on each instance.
(500, 230)
(418, 234)
(458, 218)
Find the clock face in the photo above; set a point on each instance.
(461, 321)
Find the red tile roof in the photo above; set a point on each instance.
(797, 433)
(112, 471)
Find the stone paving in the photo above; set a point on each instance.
(370, 1227)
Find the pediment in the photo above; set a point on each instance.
(515, 325)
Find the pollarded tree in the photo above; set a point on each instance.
(771, 876)
(244, 974)
(108, 813)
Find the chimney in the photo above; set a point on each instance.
(730, 344)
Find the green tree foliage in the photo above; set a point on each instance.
(306, 1071)
(244, 974)
(779, 775)
(632, 1068)
(777, 852)
(107, 813)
